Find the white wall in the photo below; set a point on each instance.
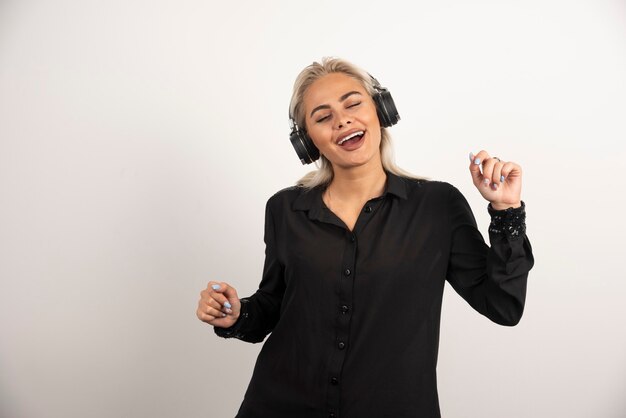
(139, 141)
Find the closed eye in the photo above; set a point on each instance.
(328, 116)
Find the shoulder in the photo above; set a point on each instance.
(288, 193)
(439, 196)
(428, 187)
(286, 197)
(441, 199)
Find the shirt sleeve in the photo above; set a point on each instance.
(261, 311)
(492, 279)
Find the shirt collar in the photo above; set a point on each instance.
(311, 199)
(396, 185)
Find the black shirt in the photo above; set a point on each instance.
(354, 316)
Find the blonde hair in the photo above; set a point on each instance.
(324, 173)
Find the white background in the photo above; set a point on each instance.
(139, 141)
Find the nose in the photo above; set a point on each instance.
(343, 120)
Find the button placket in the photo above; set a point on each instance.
(343, 318)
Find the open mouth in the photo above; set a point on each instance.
(352, 138)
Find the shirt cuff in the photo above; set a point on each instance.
(510, 222)
(234, 331)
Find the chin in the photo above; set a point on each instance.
(358, 161)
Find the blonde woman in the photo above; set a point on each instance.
(356, 259)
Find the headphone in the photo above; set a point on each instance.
(385, 109)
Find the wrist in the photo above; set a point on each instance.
(509, 222)
(505, 206)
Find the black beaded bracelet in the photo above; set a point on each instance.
(510, 222)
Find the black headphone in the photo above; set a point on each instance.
(385, 109)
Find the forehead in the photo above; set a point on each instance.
(330, 88)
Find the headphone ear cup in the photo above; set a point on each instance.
(386, 108)
(306, 150)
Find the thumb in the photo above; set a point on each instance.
(228, 291)
(474, 168)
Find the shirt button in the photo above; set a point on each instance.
(368, 209)
(341, 345)
(352, 238)
(334, 380)
(332, 415)
(347, 272)
(344, 309)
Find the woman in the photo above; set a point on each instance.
(356, 259)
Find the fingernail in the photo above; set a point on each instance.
(229, 310)
(471, 156)
(227, 305)
(494, 186)
(215, 286)
(477, 161)
(223, 314)
(501, 179)
(486, 181)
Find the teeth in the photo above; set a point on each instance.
(352, 135)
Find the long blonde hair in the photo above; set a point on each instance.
(324, 173)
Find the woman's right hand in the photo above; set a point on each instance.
(219, 305)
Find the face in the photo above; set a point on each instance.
(341, 120)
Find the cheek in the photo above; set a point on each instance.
(373, 116)
(376, 139)
(316, 135)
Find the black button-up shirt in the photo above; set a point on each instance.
(354, 315)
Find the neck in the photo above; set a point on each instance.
(358, 183)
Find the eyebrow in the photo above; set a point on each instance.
(341, 99)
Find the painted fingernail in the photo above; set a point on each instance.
(229, 311)
(486, 181)
(215, 286)
(471, 156)
(227, 305)
(223, 314)
(494, 186)
(501, 179)
(477, 161)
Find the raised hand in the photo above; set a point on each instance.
(499, 182)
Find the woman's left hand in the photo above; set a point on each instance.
(500, 182)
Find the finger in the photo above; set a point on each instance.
(204, 317)
(496, 175)
(212, 303)
(474, 167)
(510, 169)
(229, 293)
(216, 290)
(482, 156)
(212, 307)
(207, 299)
(213, 285)
(220, 301)
(488, 166)
(217, 313)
